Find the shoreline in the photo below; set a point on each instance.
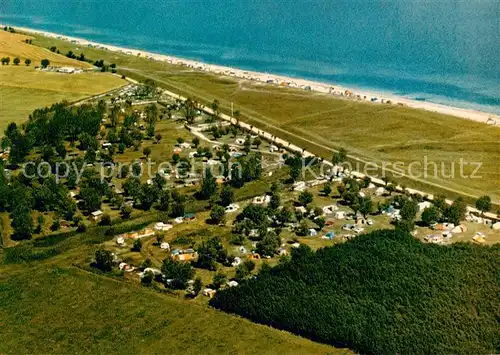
(285, 81)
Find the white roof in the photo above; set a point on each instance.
(97, 213)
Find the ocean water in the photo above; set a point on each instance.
(444, 51)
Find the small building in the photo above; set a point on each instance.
(96, 215)
(165, 246)
(301, 209)
(479, 238)
(189, 217)
(459, 229)
(329, 235)
(282, 251)
(327, 210)
(299, 186)
(232, 283)
(208, 292)
(253, 256)
(236, 261)
(162, 227)
(185, 257)
(233, 207)
(340, 215)
(496, 226)
(312, 232)
(423, 205)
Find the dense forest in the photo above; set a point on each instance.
(381, 293)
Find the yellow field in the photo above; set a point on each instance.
(23, 89)
(12, 45)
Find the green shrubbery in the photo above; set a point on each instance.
(384, 293)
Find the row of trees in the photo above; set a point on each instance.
(16, 61)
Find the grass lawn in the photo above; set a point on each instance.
(24, 89)
(67, 310)
(320, 123)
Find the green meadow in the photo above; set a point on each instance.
(61, 310)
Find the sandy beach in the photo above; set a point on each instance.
(331, 89)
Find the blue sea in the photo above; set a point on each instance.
(442, 51)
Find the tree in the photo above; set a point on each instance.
(305, 198)
(327, 190)
(210, 252)
(137, 245)
(440, 202)
(176, 274)
(218, 214)
(430, 215)
(483, 204)
(41, 222)
(365, 206)
(390, 188)
(320, 222)
(197, 286)
(147, 278)
(219, 280)
(247, 146)
(45, 63)
(408, 214)
(275, 201)
(149, 195)
(456, 212)
(103, 260)
(22, 223)
(27, 61)
(196, 142)
(91, 199)
(294, 171)
(126, 211)
(339, 157)
(158, 138)
(257, 142)
(208, 186)
(226, 195)
(268, 245)
(151, 118)
(146, 151)
(16, 61)
(190, 110)
(175, 158)
(5, 61)
(245, 269)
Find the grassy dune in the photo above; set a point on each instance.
(66, 310)
(321, 123)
